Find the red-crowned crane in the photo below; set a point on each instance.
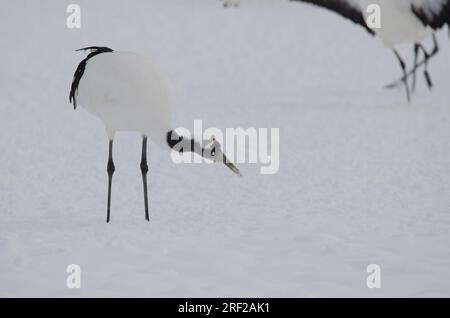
(402, 21)
(128, 92)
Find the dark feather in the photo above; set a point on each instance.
(94, 50)
(344, 8)
(429, 17)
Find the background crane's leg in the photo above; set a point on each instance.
(436, 46)
(110, 168)
(427, 58)
(402, 79)
(144, 170)
(425, 71)
(405, 78)
(416, 55)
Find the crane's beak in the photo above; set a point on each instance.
(218, 156)
(230, 165)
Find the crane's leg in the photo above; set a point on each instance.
(405, 78)
(436, 46)
(427, 58)
(433, 53)
(416, 55)
(402, 79)
(144, 170)
(425, 71)
(110, 168)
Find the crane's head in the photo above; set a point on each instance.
(213, 151)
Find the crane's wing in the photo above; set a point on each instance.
(345, 8)
(433, 13)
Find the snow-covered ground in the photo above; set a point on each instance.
(364, 177)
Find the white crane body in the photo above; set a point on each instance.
(128, 92)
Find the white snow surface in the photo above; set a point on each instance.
(364, 177)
